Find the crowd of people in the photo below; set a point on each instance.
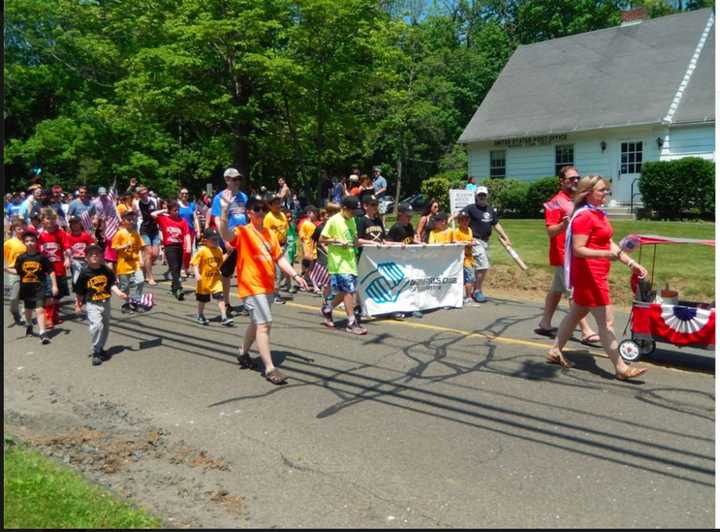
(108, 245)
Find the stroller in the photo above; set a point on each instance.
(663, 318)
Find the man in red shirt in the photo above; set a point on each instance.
(76, 242)
(175, 240)
(52, 244)
(557, 214)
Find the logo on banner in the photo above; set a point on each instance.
(386, 283)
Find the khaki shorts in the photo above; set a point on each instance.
(259, 308)
(481, 254)
(558, 282)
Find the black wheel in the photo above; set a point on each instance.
(647, 347)
(629, 350)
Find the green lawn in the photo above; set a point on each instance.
(689, 269)
(38, 493)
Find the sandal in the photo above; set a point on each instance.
(552, 358)
(276, 376)
(630, 373)
(246, 362)
(591, 341)
(550, 333)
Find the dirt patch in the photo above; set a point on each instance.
(232, 503)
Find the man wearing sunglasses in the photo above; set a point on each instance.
(236, 217)
(557, 214)
(258, 250)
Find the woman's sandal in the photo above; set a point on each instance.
(246, 362)
(552, 358)
(276, 376)
(630, 373)
(590, 342)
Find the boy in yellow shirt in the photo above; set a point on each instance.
(12, 249)
(305, 233)
(206, 264)
(127, 243)
(463, 233)
(440, 233)
(276, 221)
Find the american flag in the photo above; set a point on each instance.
(112, 220)
(319, 275)
(146, 301)
(87, 222)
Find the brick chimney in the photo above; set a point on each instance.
(633, 16)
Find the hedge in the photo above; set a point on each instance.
(684, 188)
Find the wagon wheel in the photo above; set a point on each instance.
(629, 350)
(647, 347)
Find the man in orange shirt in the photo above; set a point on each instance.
(258, 251)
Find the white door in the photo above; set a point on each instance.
(628, 171)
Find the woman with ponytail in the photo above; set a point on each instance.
(589, 249)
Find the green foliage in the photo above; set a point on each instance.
(679, 189)
(41, 494)
(438, 188)
(538, 193)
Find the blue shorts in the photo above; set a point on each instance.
(468, 275)
(343, 282)
(151, 240)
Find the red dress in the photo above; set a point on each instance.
(590, 276)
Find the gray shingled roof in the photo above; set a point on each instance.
(625, 75)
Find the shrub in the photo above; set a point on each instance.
(538, 193)
(680, 188)
(506, 195)
(437, 187)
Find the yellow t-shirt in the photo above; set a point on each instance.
(441, 237)
(12, 249)
(208, 261)
(278, 225)
(307, 228)
(122, 209)
(129, 258)
(465, 236)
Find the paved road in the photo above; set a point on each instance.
(452, 420)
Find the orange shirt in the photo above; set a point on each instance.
(258, 251)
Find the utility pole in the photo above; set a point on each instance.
(397, 187)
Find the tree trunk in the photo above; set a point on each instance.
(397, 187)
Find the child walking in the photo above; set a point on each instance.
(127, 243)
(206, 263)
(34, 269)
(94, 287)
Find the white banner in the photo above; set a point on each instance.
(459, 199)
(395, 279)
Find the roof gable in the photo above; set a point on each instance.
(618, 76)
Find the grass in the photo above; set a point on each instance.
(689, 269)
(39, 493)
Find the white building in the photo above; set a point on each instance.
(605, 101)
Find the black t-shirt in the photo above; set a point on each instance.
(148, 226)
(321, 251)
(481, 220)
(33, 269)
(401, 233)
(94, 284)
(370, 228)
(365, 193)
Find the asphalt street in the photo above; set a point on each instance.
(452, 420)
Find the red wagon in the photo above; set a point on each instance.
(680, 323)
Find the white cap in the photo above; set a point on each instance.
(481, 190)
(231, 172)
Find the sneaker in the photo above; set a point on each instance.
(479, 297)
(398, 316)
(241, 310)
(104, 355)
(293, 290)
(356, 328)
(228, 322)
(29, 330)
(467, 301)
(181, 295)
(125, 309)
(202, 320)
(17, 318)
(279, 300)
(44, 339)
(96, 360)
(326, 311)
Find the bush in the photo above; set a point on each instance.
(506, 195)
(437, 187)
(678, 189)
(539, 192)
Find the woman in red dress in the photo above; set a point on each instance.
(591, 249)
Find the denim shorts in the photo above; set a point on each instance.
(151, 240)
(468, 275)
(343, 282)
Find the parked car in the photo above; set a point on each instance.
(418, 201)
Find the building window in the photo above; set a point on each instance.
(630, 157)
(497, 163)
(564, 156)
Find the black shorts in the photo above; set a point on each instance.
(204, 298)
(32, 296)
(62, 284)
(228, 267)
(306, 263)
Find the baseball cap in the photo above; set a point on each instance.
(405, 208)
(354, 177)
(441, 216)
(352, 203)
(102, 191)
(481, 190)
(231, 172)
(211, 234)
(463, 214)
(370, 199)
